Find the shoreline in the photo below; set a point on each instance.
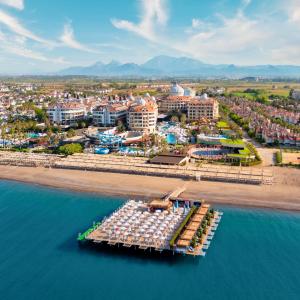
(142, 197)
(278, 196)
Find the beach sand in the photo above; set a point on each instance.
(283, 194)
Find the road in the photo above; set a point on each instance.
(267, 154)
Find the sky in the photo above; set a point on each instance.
(46, 36)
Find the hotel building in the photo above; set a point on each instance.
(142, 115)
(109, 115)
(202, 107)
(66, 113)
(184, 100)
(173, 103)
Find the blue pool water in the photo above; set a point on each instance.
(129, 150)
(255, 254)
(101, 151)
(33, 135)
(171, 139)
(210, 152)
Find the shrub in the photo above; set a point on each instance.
(182, 225)
(70, 149)
(278, 157)
(71, 133)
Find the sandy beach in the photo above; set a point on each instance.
(283, 194)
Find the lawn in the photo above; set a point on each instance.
(233, 143)
(267, 92)
(245, 151)
(222, 125)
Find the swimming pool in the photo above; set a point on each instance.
(34, 135)
(129, 150)
(101, 150)
(171, 139)
(209, 152)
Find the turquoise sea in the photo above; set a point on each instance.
(255, 254)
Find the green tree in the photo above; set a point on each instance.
(174, 119)
(71, 133)
(205, 130)
(70, 149)
(82, 124)
(120, 126)
(183, 119)
(40, 114)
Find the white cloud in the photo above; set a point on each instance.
(69, 40)
(15, 26)
(196, 23)
(263, 38)
(153, 14)
(293, 10)
(266, 37)
(18, 4)
(246, 3)
(16, 45)
(233, 35)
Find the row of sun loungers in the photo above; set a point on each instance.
(28, 159)
(135, 165)
(134, 225)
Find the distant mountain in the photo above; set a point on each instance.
(111, 69)
(173, 64)
(163, 66)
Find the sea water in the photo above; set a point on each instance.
(255, 254)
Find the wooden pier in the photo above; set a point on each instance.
(160, 225)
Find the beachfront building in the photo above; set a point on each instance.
(177, 100)
(174, 103)
(142, 115)
(202, 107)
(68, 113)
(109, 115)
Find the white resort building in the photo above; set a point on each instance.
(142, 115)
(66, 113)
(184, 100)
(109, 115)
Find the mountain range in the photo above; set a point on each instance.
(168, 66)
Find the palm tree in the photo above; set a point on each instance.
(3, 135)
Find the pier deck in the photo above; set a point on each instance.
(161, 225)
